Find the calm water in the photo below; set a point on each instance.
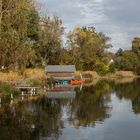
(107, 111)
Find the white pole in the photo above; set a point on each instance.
(81, 76)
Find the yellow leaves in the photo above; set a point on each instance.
(24, 4)
(82, 34)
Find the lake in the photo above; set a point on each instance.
(105, 111)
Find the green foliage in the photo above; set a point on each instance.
(112, 68)
(14, 40)
(128, 61)
(136, 46)
(48, 47)
(101, 68)
(26, 38)
(137, 70)
(30, 40)
(7, 89)
(33, 27)
(119, 52)
(87, 47)
(34, 83)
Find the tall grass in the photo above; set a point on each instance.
(7, 89)
(34, 73)
(11, 76)
(120, 74)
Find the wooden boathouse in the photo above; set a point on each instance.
(60, 72)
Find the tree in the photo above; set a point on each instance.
(87, 47)
(128, 61)
(119, 52)
(49, 45)
(33, 26)
(13, 35)
(136, 46)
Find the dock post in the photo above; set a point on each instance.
(11, 96)
(22, 93)
(48, 87)
(0, 102)
(34, 92)
(31, 91)
(44, 88)
(81, 86)
(52, 86)
(58, 84)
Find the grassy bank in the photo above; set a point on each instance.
(119, 76)
(34, 75)
(16, 77)
(116, 75)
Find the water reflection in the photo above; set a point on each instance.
(102, 111)
(129, 91)
(90, 105)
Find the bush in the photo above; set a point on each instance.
(7, 89)
(112, 68)
(101, 68)
(137, 70)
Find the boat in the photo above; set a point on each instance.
(77, 82)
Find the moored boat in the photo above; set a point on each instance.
(77, 82)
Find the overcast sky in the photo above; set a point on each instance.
(118, 19)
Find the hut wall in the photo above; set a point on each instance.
(61, 74)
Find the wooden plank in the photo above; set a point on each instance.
(26, 87)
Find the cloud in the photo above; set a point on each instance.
(119, 19)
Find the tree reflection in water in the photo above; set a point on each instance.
(130, 91)
(45, 118)
(31, 120)
(90, 105)
(42, 118)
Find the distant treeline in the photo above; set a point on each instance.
(30, 40)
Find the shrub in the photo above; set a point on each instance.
(137, 70)
(102, 68)
(112, 68)
(7, 89)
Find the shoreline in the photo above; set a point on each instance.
(118, 76)
(37, 77)
(30, 76)
(38, 74)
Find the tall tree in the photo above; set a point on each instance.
(14, 39)
(88, 46)
(136, 46)
(50, 41)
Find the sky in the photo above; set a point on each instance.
(118, 19)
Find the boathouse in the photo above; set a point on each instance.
(60, 72)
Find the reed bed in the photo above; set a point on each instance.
(11, 76)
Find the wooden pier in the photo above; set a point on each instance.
(28, 89)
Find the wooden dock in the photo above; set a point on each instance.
(28, 89)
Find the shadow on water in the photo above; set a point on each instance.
(64, 110)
